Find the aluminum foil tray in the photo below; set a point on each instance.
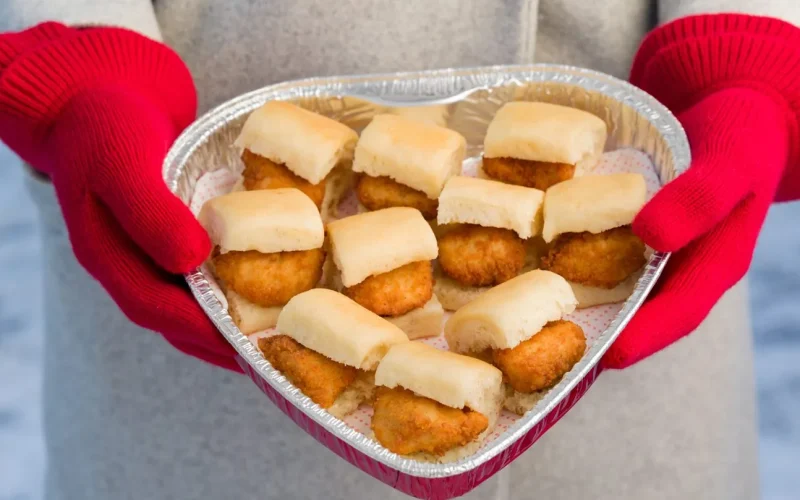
(464, 100)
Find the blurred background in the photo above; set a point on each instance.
(775, 299)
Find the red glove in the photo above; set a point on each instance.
(734, 83)
(96, 110)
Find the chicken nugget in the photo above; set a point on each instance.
(598, 260)
(541, 361)
(534, 174)
(396, 292)
(270, 279)
(320, 378)
(406, 423)
(481, 256)
(262, 173)
(377, 193)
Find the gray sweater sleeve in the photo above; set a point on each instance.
(137, 15)
(788, 10)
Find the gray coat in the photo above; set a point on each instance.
(126, 416)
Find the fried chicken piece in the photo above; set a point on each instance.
(269, 279)
(599, 260)
(320, 378)
(262, 173)
(396, 292)
(481, 256)
(539, 362)
(535, 174)
(406, 423)
(377, 193)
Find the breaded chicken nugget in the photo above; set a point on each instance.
(320, 378)
(481, 256)
(269, 279)
(541, 361)
(599, 260)
(535, 174)
(406, 423)
(377, 193)
(261, 173)
(396, 292)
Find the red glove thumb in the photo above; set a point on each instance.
(732, 80)
(125, 226)
(712, 213)
(111, 143)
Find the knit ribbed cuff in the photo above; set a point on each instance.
(683, 61)
(38, 84)
(13, 45)
(708, 25)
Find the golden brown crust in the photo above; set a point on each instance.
(406, 423)
(318, 377)
(535, 174)
(377, 193)
(541, 361)
(481, 256)
(261, 173)
(601, 260)
(269, 279)
(397, 292)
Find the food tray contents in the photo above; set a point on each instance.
(593, 321)
(210, 157)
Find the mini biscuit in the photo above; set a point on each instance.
(469, 200)
(593, 203)
(307, 143)
(371, 243)
(542, 132)
(267, 221)
(510, 313)
(451, 379)
(417, 154)
(333, 325)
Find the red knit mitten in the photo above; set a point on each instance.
(96, 110)
(734, 83)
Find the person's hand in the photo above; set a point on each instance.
(734, 83)
(96, 111)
